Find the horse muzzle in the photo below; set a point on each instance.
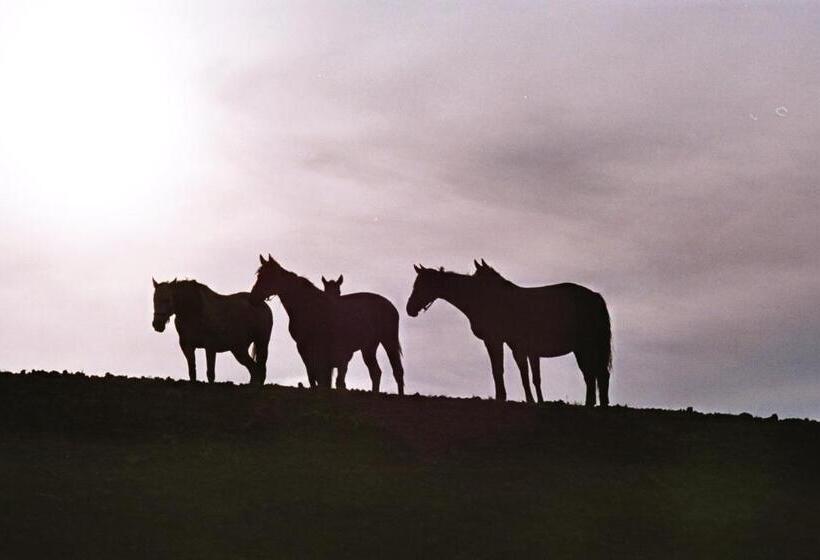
(159, 324)
(257, 296)
(412, 310)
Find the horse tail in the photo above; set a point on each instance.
(392, 346)
(261, 339)
(398, 349)
(601, 334)
(259, 351)
(391, 342)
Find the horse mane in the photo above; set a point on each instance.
(301, 281)
(496, 275)
(441, 270)
(187, 298)
(502, 279)
(305, 283)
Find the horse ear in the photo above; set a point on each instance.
(272, 261)
(341, 279)
(441, 269)
(477, 266)
(154, 282)
(324, 281)
(483, 263)
(417, 268)
(175, 280)
(262, 259)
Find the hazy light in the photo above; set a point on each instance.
(91, 115)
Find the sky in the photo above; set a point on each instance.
(661, 153)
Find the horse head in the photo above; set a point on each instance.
(483, 271)
(426, 289)
(488, 276)
(333, 287)
(269, 279)
(163, 304)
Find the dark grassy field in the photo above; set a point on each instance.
(126, 468)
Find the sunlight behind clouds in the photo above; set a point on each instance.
(94, 122)
(608, 144)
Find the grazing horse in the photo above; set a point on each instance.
(215, 322)
(328, 330)
(548, 321)
(333, 287)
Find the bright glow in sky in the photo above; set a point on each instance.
(639, 149)
(94, 118)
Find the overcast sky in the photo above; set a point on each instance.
(664, 154)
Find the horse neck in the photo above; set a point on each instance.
(186, 297)
(296, 291)
(460, 291)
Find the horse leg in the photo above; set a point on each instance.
(326, 375)
(340, 376)
(319, 370)
(496, 352)
(210, 360)
(241, 355)
(588, 370)
(261, 339)
(590, 381)
(393, 350)
(369, 355)
(521, 361)
(535, 366)
(603, 386)
(306, 359)
(260, 358)
(190, 357)
(322, 374)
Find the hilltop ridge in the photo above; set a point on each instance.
(102, 466)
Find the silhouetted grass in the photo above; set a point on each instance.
(126, 468)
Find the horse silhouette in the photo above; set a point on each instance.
(333, 287)
(215, 322)
(328, 330)
(546, 321)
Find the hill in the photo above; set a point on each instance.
(118, 467)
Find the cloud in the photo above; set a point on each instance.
(635, 149)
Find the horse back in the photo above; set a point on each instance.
(227, 321)
(560, 300)
(548, 316)
(365, 304)
(362, 319)
(335, 327)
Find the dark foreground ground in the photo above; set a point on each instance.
(125, 468)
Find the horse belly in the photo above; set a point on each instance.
(223, 345)
(552, 351)
(229, 323)
(352, 333)
(546, 343)
(340, 357)
(215, 339)
(213, 344)
(552, 345)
